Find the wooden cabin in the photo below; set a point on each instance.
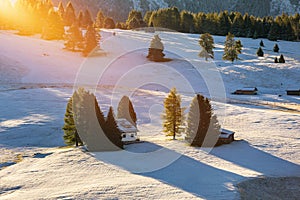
(293, 92)
(225, 137)
(246, 91)
(128, 130)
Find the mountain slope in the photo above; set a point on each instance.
(120, 9)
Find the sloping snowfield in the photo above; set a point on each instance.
(37, 78)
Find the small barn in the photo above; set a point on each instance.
(246, 91)
(225, 137)
(293, 92)
(128, 130)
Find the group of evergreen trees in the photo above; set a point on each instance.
(282, 27)
(260, 52)
(203, 128)
(39, 17)
(108, 124)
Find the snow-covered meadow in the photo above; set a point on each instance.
(37, 77)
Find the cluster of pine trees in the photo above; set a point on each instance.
(203, 128)
(40, 17)
(282, 27)
(84, 101)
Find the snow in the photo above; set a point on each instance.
(37, 78)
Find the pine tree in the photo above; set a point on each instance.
(232, 48)
(156, 49)
(61, 10)
(276, 48)
(238, 46)
(260, 52)
(224, 23)
(186, 22)
(80, 19)
(276, 60)
(87, 19)
(238, 25)
(74, 38)
(54, 28)
(69, 17)
(281, 59)
(203, 128)
(111, 129)
(91, 40)
(207, 44)
(173, 114)
(99, 22)
(109, 23)
(261, 43)
(126, 110)
(71, 136)
(135, 20)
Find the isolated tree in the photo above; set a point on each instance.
(276, 48)
(261, 43)
(203, 128)
(69, 16)
(126, 110)
(71, 136)
(207, 43)
(281, 59)
(54, 28)
(156, 49)
(260, 52)
(74, 38)
(111, 129)
(173, 113)
(232, 48)
(276, 60)
(91, 40)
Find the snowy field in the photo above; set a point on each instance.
(37, 78)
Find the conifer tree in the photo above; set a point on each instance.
(99, 22)
(261, 43)
(203, 128)
(276, 60)
(71, 136)
(238, 25)
(260, 52)
(224, 23)
(109, 23)
(126, 110)
(61, 10)
(80, 19)
(135, 20)
(173, 114)
(74, 38)
(91, 40)
(111, 129)
(276, 48)
(186, 22)
(281, 59)
(54, 28)
(232, 48)
(156, 49)
(87, 19)
(69, 17)
(207, 44)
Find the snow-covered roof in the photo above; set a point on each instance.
(249, 89)
(225, 133)
(125, 126)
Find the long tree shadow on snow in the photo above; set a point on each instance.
(245, 155)
(182, 172)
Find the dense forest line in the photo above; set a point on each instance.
(40, 16)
